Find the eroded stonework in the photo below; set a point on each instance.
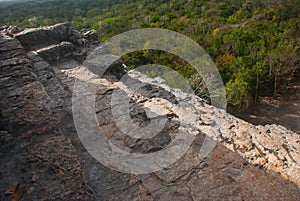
(41, 150)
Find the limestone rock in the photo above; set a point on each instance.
(4, 27)
(45, 36)
(91, 35)
(54, 53)
(106, 65)
(255, 143)
(22, 95)
(11, 30)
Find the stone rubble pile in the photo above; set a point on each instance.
(272, 147)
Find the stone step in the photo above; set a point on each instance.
(57, 52)
(69, 64)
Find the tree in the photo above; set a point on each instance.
(237, 93)
(283, 63)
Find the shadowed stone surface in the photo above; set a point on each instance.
(34, 38)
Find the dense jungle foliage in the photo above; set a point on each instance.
(254, 43)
